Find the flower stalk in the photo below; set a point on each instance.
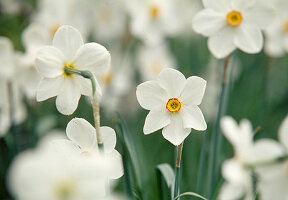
(215, 133)
(94, 100)
(177, 170)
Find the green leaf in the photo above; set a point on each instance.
(166, 173)
(131, 163)
(190, 194)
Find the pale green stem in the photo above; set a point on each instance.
(215, 133)
(94, 99)
(177, 170)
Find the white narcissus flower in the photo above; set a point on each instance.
(232, 24)
(173, 102)
(7, 65)
(69, 50)
(273, 179)
(33, 37)
(11, 101)
(118, 83)
(52, 14)
(83, 141)
(46, 175)
(153, 59)
(238, 178)
(276, 33)
(153, 20)
(109, 18)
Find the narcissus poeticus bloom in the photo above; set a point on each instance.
(173, 103)
(232, 24)
(69, 50)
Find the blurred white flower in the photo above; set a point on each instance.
(33, 37)
(153, 20)
(52, 14)
(273, 179)
(69, 50)
(12, 108)
(152, 59)
(46, 175)
(173, 103)
(276, 43)
(109, 19)
(233, 24)
(83, 141)
(7, 64)
(117, 83)
(239, 178)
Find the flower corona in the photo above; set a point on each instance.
(173, 105)
(234, 18)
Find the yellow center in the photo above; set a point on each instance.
(173, 105)
(156, 67)
(54, 28)
(286, 27)
(64, 190)
(106, 14)
(234, 18)
(107, 78)
(68, 64)
(154, 11)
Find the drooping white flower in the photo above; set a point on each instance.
(232, 24)
(68, 50)
(276, 33)
(173, 103)
(153, 59)
(153, 20)
(238, 178)
(273, 179)
(44, 174)
(83, 141)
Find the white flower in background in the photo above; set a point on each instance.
(10, 6)
(83, 141)
(152, 59)
(46, 175)
(273, 179)
(52, 14)
(117, 83)
(7, 64)
(173, 103)
(276, 43)
(213, 76)
(233, 24)
(153, 20)
(33, 37)
(238, 178)
(109, 19)
(11, 101)
(69, 50)
(188, 10)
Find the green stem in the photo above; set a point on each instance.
(200, 177)
(94, 99)
(177, 170)
(215, 133)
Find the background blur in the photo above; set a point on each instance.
(258, 91)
